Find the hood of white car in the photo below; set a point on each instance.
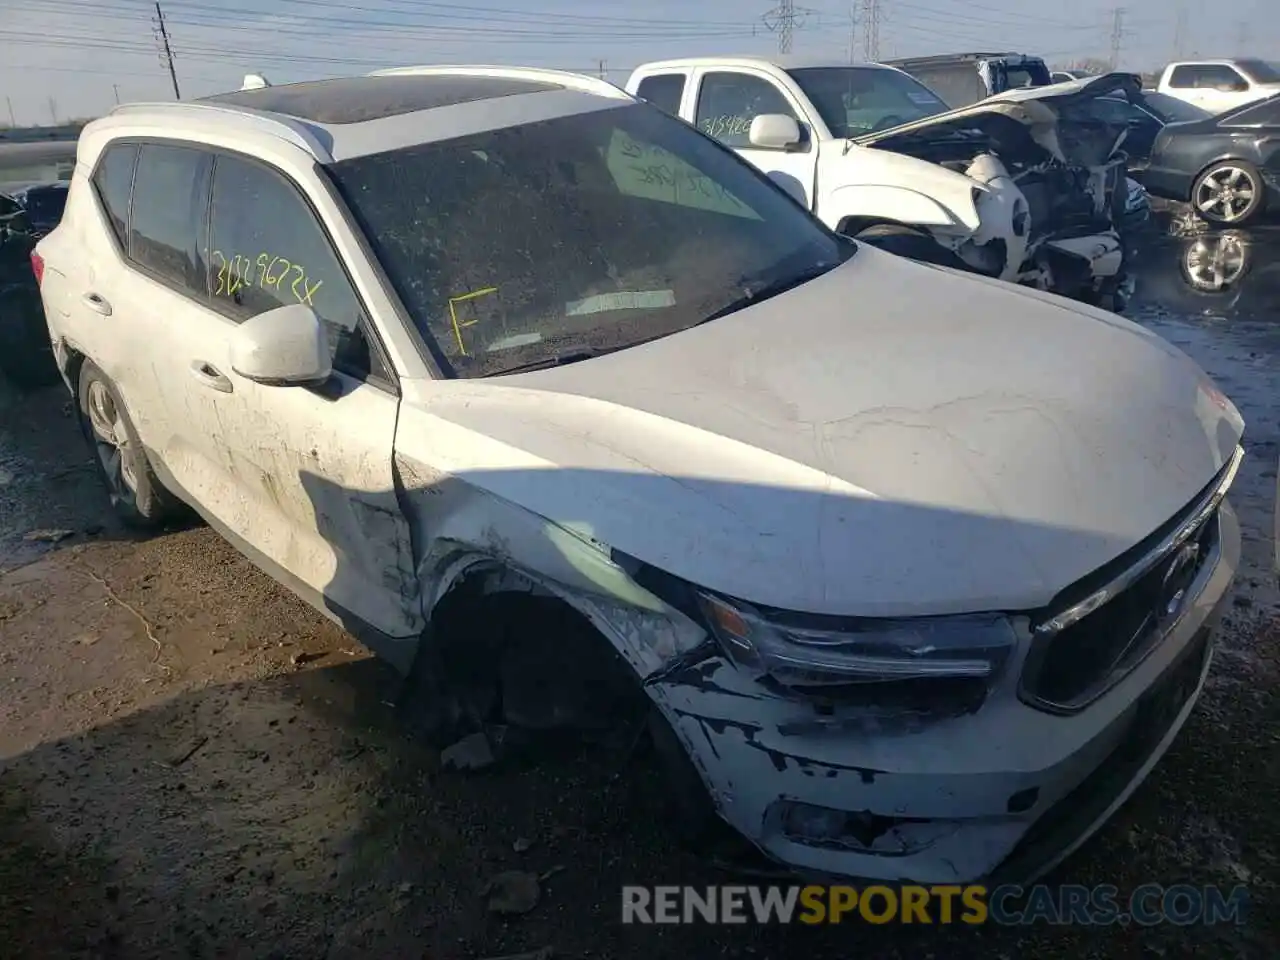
(889, 439)
(1057, 94)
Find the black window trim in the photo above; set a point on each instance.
(802, 120)
(389, 384)
(120, 244)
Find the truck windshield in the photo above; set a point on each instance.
(564, 239)
(857, 100)
(1261, 71)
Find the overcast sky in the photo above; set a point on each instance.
(74, 57)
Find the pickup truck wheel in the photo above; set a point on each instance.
(137, 496)
(910, 242)
(1230, 191)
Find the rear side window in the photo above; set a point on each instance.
(113, 181)
(167, 213)
(268, 250)
(1205, 76)
(663, 91)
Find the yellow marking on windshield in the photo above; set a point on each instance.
(453, 314)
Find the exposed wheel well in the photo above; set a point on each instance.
(501, 650)
(71, 367)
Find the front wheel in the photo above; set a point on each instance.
(1228, 192)
(137, 496)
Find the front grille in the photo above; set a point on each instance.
(1062, 825)
(1069, 668)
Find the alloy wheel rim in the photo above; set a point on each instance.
(1226, 194)
(110, 437)
(1214, 264)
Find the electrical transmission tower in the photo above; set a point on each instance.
(1117, 35)
(1180, 31)
(783, 20)
(871, 30)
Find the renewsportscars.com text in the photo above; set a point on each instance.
(1104, 905)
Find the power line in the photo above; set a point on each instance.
(166, 51)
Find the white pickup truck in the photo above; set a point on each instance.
(1220, 85)
(991, 187)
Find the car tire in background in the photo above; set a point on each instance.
(137, 496)
(26, 358)
(1228, 181)
(910, 242)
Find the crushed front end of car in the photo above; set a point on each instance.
(1052, 190)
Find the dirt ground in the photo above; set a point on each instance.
(195, 764)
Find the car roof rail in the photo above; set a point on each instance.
(565, 78)
(290, 129)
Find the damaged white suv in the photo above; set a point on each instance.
(915, 569)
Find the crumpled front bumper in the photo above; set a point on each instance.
(1003, 793)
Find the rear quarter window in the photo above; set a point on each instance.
(664, 91)
(113, 183)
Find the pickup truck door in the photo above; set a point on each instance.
(724, 103)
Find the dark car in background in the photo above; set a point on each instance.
(1146, 114)
(26, 214)
(1227, 166)
(43, 203)
(961, 79)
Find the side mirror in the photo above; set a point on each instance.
(774, 131)
(283, 347)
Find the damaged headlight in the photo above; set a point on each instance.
(972, 647)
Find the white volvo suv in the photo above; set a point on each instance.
(915, 572)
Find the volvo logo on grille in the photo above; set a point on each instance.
(1177, 578)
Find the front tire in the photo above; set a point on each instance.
(1229, 192)
(137, 496)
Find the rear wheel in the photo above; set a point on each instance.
(137, 496)
(1228, 192)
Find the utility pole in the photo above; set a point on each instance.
(1180, 31)
(1242, 38)
(115, 88)
(12, 120)
(604, 74)
(53, 111)
(166, 52)
(871, 30)
(783, 20)
(1117, 35)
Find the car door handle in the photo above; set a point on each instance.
(95, 303)
(210, 376)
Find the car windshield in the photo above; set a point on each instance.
(1261, 70)
(1171, 109)
(857, 100)
(559, 240)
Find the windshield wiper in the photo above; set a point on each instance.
(765, 291)
(555, 360)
